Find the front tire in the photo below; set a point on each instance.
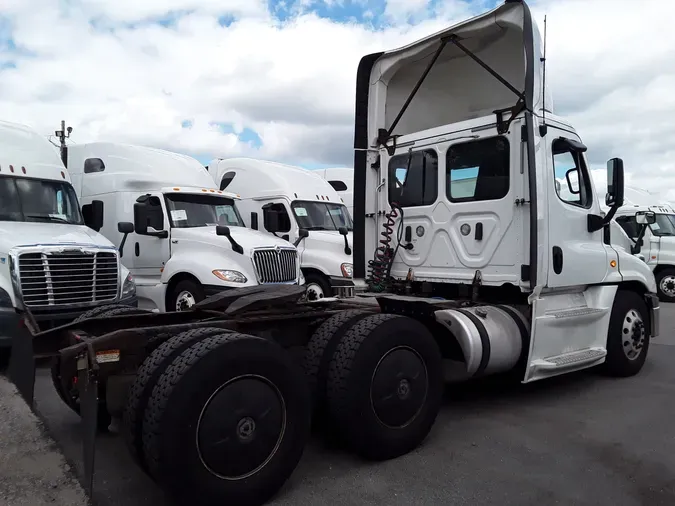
(665, 283)
(184, 295)
(317, 286)
(628, 337)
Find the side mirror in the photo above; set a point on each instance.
(148, 213)
(343, 231)
(126, 228)
(645, 217)
(302, 234)
(615, 189)
(254, 220)
(224, 231)
(571, 186)
(93, 216)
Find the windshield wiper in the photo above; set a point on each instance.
(47, 218)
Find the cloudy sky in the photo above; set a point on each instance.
(275, 79)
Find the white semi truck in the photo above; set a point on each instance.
(655, 241)
(302, 208)
(342, 180)
(506, 276)
(51, 263)
(181, 237)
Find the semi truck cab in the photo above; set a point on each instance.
(52, 263)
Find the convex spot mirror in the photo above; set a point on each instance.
(645, 217)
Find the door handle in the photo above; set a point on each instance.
(137, 249)
(479, 231)
(557, 259)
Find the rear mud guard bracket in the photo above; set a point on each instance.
(87, 384)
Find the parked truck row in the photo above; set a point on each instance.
(478, 242)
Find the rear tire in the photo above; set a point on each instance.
(385, 385)
(67, 390)
(628, 336)
(227, 421)
(146, 378)
(184, 295)
(320, 350)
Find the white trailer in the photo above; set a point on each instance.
(293, 201)
(186, 239)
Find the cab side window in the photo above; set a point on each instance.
(571, 178)
(629, 225)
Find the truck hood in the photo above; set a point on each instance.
(329, 240)
(23, 233)
(247, 238)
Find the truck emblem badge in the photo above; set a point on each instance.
(3, 260)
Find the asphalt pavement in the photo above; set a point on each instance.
(581, 439)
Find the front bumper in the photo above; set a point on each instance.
(654, 307)
(342, 287)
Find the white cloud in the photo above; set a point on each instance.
(293, 81)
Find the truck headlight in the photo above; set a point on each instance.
(230, 276)
(346, 270)
(128, 287)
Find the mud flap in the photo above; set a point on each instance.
(87, 384)
(22, 365)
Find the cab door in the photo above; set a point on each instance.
(576, 256)
(460, 197)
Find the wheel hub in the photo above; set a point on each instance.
(314, 292)
(399, 387)
(634, 334)
(668, 285)
(184, 301)
(241, 427)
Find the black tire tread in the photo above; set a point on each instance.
(617, 364)
(146, 377)
(315, 356)
(663, 273)
(162, 389)
(341, 364)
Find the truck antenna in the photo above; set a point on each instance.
(62, 135)
(542, 128)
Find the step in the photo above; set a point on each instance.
(570, 360)
(575, 312)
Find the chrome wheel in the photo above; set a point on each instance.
(633, 334)
(185, 301)
(667, 286)
(314, 291)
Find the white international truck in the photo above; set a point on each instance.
(181, 237)
(504, 277)
(655, 241)
(285, 200)
(342, 181)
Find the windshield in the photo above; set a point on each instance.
(38, 200)
(664, 225)
(189, 210)
(321, 215)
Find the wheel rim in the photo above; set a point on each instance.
(667, 285)
(185, 300)
(633, 334)
(241, 427)
(314, 291)
(399, 387)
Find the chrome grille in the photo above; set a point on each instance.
(64, 278)
(276, 265)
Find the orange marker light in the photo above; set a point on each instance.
(11, 168)
(23, 169)
(176, 189)
(63, 175)
(613, 263)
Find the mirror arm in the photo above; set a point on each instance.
(348, 250)
(297, 241)
(639, 241)
(121, 248)
(162, 234)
